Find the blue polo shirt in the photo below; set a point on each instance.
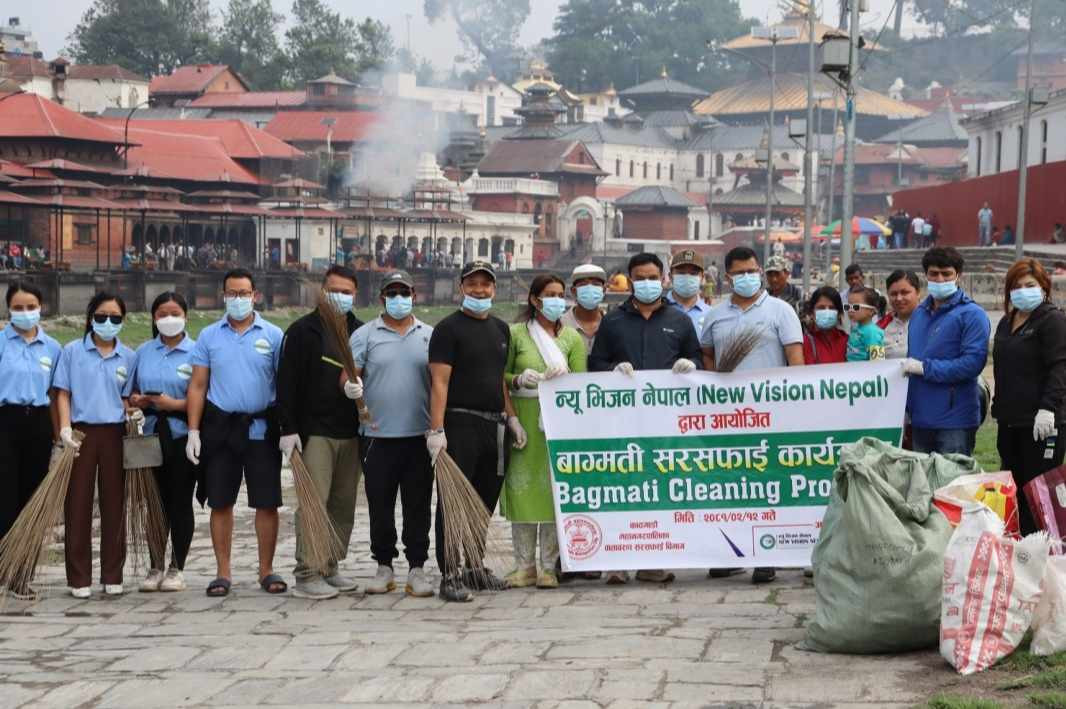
(243, 366)
(395, 377)
(97, 383)
(165, 370)
(774, 319)
(697, 313)
(26, 368)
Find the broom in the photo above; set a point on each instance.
(146, 522)
(466, 519)
(738, 349)
(322, 543)
(335, 325)
(22, 547)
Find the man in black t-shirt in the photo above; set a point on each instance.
(469, 408)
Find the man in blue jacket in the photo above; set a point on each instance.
(947, 347)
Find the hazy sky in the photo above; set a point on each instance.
(52, 20)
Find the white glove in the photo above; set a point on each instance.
(912, 366)
(1044, 425)
(66, 434)
(286, 444)
(554, 372)
(353, 389)
(683, 366)
(192, 447)
(624, 368)
(435, 443)
(518, 432)
(135, 416)
(528, 379)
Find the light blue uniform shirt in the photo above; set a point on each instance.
(26, 368)
(243, 366)
(697, 313)
(775, 320)
(395, 377)
(162, 370)
(97, 384)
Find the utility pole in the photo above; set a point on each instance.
(849, 143)
(770, 149)
(1023, 157)
(808, 181)
(832, 190)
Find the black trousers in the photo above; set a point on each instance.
(176, 479)
(402, 464)
(25, 448)
(1024, 457)
(472, 444)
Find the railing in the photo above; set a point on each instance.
(511, 185)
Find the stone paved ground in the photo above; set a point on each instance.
(694, 643)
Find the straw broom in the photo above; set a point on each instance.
(146, 522)
(738, 349)
(322, 543)
(22, 547)
(335, 325)
(466, 519)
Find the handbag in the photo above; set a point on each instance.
(139, 450)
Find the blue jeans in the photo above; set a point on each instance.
(944, 440)
(897, 240)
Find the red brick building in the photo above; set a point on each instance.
(187, 83)
(654, 213)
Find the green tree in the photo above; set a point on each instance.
(248, 42)
(957, 17)
(488, 29)
(321, 40)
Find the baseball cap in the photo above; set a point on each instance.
(401, 277)
(688, 257)
(588, 270)
(778, 263)
(475, 266)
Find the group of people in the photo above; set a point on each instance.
(171, 256)
(230, 404)
(915, 232)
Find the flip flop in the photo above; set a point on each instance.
(273, 580)
(219, 588)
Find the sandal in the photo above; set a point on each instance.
(219, 588)
(273, 584)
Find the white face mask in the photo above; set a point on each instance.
(170, 325)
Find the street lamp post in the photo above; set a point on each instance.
(808, 177)
(126, 136)
(1023, 153)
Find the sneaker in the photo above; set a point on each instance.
(521, 578)
(547, 579)
(483, 580)
(655, 576)
(452, 589)
(617, 578)
(315, 588)
(151, 583)
(417, 584)
(382, 581)
(722, 573)
(81, 592)
(173, 581)
(342, 583)
(765, 574)
(113, 589)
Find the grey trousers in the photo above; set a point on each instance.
(334, 466)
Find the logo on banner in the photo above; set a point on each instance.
(767, 542)
(583, 537)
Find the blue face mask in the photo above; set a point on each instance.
(477, 305)
(943, 291)
(25, 319)
(747, 284)
(107, 330)
(342, 301)
(589, 297)
(238, 308)
(826, 319)
(1027, 299)
(552, 308)
(399, 306)
(648, 291)
(686, 285)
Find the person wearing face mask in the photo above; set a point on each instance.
(317, 415)
(391, 354)
(824, 340)
(947, 348)
(28, 358)
(1029, 364)
(686, 280)
(160, 384)
(588, 283)
(93, 381)
(231, 402)
(470, 410)
(541, 348)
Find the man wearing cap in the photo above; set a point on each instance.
(470, 409)
(317, 416)
(686, 279)
(391, 355)
(587, 284)
(777, 272)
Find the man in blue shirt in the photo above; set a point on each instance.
(231, 400)
(686, 281)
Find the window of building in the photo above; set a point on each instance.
(785, 157)
(699, 165)
(998, 147)
(719, 165)
(631, 168)
(696, 231)
(658, 171)
(536, 213)
(618, 168)
(83, 234)
(739, 157)
(980, 145)
(1021, 141)
(671, 172)
(645, 171)
(1043, 142)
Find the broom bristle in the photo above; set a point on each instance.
(336, 327)
(146, 522)
(742, 345)
(321, 542)
(466, 519)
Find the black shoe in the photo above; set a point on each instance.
(721, 573)
(765, 574)
(452, 589)
(483, 580)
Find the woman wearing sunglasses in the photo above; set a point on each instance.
(93, 380)
(866, 341)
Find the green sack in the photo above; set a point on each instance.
(879, 561)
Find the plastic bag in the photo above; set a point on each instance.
(991, 588)
(1046, 494)
(1049, 619)
(996, 491)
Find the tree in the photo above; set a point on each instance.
(488, 29)
(320, 41)
(248, 42)
(146, 36)
(956, 17)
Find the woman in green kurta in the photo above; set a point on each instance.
(541, 348)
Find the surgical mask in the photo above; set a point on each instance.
(1027, 299)
(826, 319)
(747, 284)
(106, 330)
(477, 305)
(238, 308)
(552, 308)
(170, 325)
(589, 297)
(342, 301)
(942, 291)
(25, 319)
(399, 306)
(686, 285)
(648, 291)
